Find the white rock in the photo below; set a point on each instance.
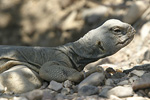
(121, 91)
(94, 79)
(55, 85)
(20, 79)
(19, 98)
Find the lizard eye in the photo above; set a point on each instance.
(117, 30)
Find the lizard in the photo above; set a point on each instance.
(66, 62)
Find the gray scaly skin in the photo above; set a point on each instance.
(66, 62)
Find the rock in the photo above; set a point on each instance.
(95, 97)
(88, 90)
(145, 31)
(138, 8)
(94, 79)
(34, 95)
(60, 97)
(137, 72)
(113, 97)
(93, 14)
(44, 85)
(67, 84)
(109, 82)
(104, 90)
(125, 82)
(118, 75)
(20, 79)
(48, 95)
(121, 91)
(143, 82)
(133, 79)
(136, 98)
(2, 88)
(55, 85)
(3, 99)
(19, 98)
(65, 91)
(147, 55)
(141, 93)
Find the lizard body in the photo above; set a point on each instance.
(66, 62)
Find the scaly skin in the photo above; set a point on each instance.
(66, 62)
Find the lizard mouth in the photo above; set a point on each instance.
(128, 37)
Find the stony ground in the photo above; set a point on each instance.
(126, 73)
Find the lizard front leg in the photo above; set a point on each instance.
(53, 70)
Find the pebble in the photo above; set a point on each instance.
(65, 91)
(48, 95)
(121, 91)
(136, 98)
(118, 75)
(19, 98)
(104, 90)
(88, 90)
(2, 88)
(55, 85)
(133, 79)
(125, 82)
(67, 84)
(94, 79)
(137, 72)
(143, 82)
(3, 99)
(109, 82)
(145, 31)
(34, 95)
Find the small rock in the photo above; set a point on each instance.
(67, 84)
(118, 75)
(121, 91)
(145, 31)
(34, 95)
(109, 82)
(3, 99)
(19, 98)
(136, 98)
(88, 90)
(143, 82)
(125, 82)
(2, 88)
(48, 95)
(133, 79)
(113, 97)
(60, 97)
(137, 72)
(103, 92)
(94, 79)
(65, 91)
(141, 93)
(148, 94)
(55, 85)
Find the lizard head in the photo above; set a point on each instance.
(105, 40)
(114, 35)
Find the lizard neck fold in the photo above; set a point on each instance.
(83, 51)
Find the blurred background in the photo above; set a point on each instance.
(56, 22)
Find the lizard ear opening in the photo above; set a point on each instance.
(99, 44)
